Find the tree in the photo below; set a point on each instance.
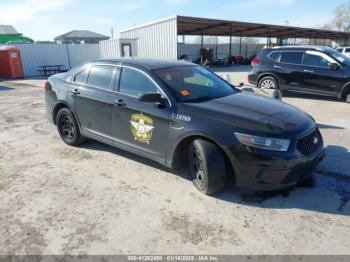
(328, 26)
(342, 17)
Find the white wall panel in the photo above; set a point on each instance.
(156, 40)
(112, 48)
(80, 54)
(35, 55)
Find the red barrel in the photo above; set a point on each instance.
(10, 62)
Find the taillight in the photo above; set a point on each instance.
(256, 62)
(47, 85)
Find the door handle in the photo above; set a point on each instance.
(279, 67)
(308, 71)
(119, 102)
(75, 92)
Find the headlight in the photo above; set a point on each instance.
(263, 142)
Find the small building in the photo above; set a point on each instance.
(80, 36)
(165, 38)
(9, 35)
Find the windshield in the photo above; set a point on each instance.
(340, 57)
(194, 83)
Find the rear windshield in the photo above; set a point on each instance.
(194, 83)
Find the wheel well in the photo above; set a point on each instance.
(57, 108)
(345, 91)
(265, 75)
(180, 159)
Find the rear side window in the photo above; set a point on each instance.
(101, 76)
(81, 77)
(275, 56)
(134, 83)
(291, 57)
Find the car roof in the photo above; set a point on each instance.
(303, 47)
(149, 64)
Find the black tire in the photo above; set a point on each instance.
(68, 128)
(207, 166)
(268, 82)
(308, 182)
(285, 93)
(347, 98)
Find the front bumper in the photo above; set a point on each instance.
(259, 169)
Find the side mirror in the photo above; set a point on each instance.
(277, 94)
(334, 66)
(153, 98)
(241, 84)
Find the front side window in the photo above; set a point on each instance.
(313, 58)
(340, 57)
(291, 57)
(194, 83)
(317, 59)
(101, 76)
(134, 83)
(81, 77)
(347, 50)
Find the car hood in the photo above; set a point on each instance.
(256, 114)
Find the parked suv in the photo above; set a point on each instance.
(344, 50)
(304, 69)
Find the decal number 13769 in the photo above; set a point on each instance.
(181, 117)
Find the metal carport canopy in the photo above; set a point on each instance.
(214, 27)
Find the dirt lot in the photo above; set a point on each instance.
(95, 199)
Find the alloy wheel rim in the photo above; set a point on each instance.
(67, 127)
(197, 168)
(267, 84)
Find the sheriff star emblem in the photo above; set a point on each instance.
(141, 127)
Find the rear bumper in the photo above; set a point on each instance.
(49, 103)
(253, 79)
(264, 170)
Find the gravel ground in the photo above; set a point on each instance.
(96, 199)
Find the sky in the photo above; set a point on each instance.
(46, 19)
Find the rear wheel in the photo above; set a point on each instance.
(68, 128)
(207, 166)
(268, 82)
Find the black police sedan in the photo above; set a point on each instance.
(303, 69)
(180, 114)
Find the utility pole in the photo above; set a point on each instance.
(112, 32)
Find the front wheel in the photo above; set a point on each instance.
(207, 166)
(347, 98)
